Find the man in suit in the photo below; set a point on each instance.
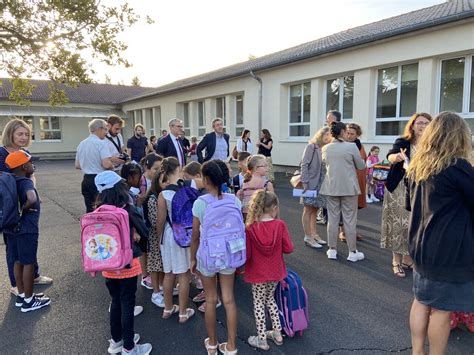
(170, 146)
(215, 144)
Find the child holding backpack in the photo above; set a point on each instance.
(122, 284)
(267, 240)
(218, 247)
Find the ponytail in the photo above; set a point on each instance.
(168, 167)
(252, 163)
(215, 174)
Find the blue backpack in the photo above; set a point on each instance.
(292, 301)
(9, 213)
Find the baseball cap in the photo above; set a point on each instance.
(18, 158)
(106, 180)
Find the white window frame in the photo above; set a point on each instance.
(151, 126)
(186, 128)
(341, 96)
(397, 118)
(301, 123)
(50, 128)
(223, 109)
(201, 128)
(237, 125)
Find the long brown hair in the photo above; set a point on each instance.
(266, 134)
(261, 202)
(252, 163)
(408, 132)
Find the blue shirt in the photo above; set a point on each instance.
(3, 155)
(29, 221)
(138, 147)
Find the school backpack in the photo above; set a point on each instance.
(292, 302)
(9, 207)
(182, 212)
(222, 242)
(105, 235)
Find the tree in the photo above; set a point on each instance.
(58, 39)
(136, 81)
(252, 57)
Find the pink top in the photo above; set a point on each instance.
(371, 161)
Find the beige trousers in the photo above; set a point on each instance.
(347, 205)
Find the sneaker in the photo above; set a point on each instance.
(19, 299)
(139, 349)
(332, 254)
(368, 200)
(309, 241)
(116, 347)
(258, 343)
(14, 291)
(136, 311)
(146, 282)
(355, 256)
(35, 303)
(175, 290)
(158, 299)
(201, 297)
(202, 308)
(43, 280)
(374, 199)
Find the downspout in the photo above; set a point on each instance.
(260, 97)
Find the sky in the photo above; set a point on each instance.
(193, 37)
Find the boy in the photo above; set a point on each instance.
(238, 180)
(23, 239)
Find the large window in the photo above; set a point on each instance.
(150, 121)
(137, 117)
(201, 119)
(50, 128)
(397, 89)
(187, 130)
(340, 95)
(30, 121)
(300, 105)
(220, 110)
(239, 115)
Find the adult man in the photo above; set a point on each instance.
(164, 133)
(93, 157)
(333, 116)
(170, 146)
(114, 141)
(138, 145)
(216, 144)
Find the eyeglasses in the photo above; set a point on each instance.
(179, 126)
(422, 123)
(261, 166)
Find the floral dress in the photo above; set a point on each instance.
(155, 262)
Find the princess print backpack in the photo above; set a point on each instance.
(105, 235)
(222, 243)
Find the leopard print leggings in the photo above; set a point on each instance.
(264, 295)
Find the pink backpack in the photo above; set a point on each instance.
(105, 235)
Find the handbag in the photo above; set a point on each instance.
(235, 153)
(295, 180)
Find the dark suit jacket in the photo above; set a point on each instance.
(208, 143)
(397, 173)
(165, 147)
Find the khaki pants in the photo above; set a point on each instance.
(347, 205)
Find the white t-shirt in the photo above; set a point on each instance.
(111, 146)
(90, 153)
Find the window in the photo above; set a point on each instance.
(397, 89)
(220, 109)
(340, 95)
(30, 122)
(137, 117)
(50, 128)
(201, 119)
(300, 104)
(187, 130)
(150, 121)
(239, 115)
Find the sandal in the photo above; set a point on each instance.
(211, 349)
(256, 342)
(183, 318)
(407, 266)
(275, 336)
(168, 313)
(223, 349)
(398, 270)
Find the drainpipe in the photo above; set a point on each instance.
(252, 74)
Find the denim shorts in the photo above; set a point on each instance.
(207, 273)
(22, 248)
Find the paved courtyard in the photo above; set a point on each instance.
(354, 308)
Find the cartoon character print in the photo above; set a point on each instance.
(101, 247)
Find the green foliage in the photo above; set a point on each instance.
(58, 39)
(136, 81)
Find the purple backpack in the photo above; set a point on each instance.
(222, 242)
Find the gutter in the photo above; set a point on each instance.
(260, 98)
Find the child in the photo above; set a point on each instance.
(22, 241)
(192, 149)
(267, 240)
(254, 179)
(175, 259)
(192, 171)
(372, 160)
(214, 177)
(238, 180)
(151, 164)
(122, 284)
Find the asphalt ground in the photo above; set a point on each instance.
(359, 308)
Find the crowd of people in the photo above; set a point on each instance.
(427, 219)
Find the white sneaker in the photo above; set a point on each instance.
(374, 199)
(368, 200)
(158, 299)
(332, 254)
(116, 347)
(139, 349)
(175, 290)
(312, 243)
(355, 256)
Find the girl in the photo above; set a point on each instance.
(213, 180)
(372, 160)
(192, 149)
(265, 146)
(244, 143)
(175, 259)
(151, 164)
(267, 240)
(254, 179)
(122, 284)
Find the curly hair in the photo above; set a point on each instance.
(262, 202)
(252, 163)
(356, 127)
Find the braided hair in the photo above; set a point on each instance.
(336, 129)
(168, 167)
(262, 201)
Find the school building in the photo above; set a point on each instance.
(377, 75)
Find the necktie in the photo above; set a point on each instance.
(181, 155)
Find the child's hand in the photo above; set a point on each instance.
(136, 237)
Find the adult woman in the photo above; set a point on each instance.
(265, 146)
(17, 136)
(312, 176)
(341, 187)
(441, 230)
(244, 143)
(394, 231)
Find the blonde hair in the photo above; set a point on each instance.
(437, 149)
(261, 202)
(252, 163)
(408, 132)
(318, 136)
(11, 127)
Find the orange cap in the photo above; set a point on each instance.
(16, 159)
